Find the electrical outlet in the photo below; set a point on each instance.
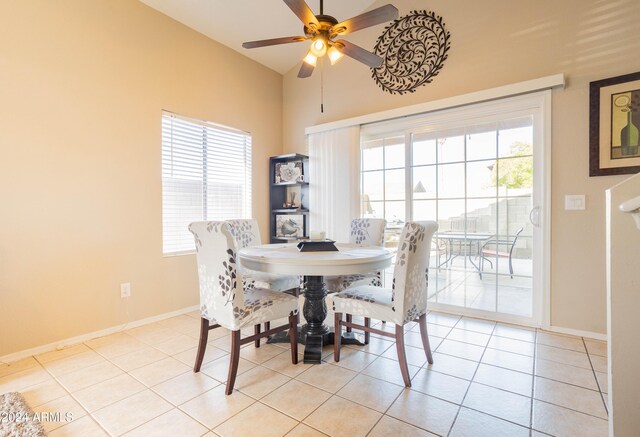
(125, 289)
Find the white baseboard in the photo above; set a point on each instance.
(61, 344)
(576, 332)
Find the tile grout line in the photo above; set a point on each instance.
(145, 387)
(606, 408)
(471, 382)
(408, 388)
(391, 404)
(71, 394)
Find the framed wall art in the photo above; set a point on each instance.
(614, 125)
(289, 172)
(290, 225)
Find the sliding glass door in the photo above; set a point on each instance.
(480, 176)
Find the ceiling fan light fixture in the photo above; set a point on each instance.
(311, 59)
(334, 55)
(318, 47)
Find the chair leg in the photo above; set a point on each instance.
(256, 331)
(425, 337)
(235, 359)
(402, 358)
(202, 344)
(349, 319)
(367, 334)
(293, 337)
(337, 336)
(267, 326)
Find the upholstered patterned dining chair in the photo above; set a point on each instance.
(225, 302)
(364, 232)
(246, 233)
(404, 302)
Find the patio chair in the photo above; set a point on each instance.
(440, 248)
(462, 225)
(493, 251)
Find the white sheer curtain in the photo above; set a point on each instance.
(334, 188)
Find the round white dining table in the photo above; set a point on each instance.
(286, 259)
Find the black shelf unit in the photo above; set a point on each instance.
(280, 193)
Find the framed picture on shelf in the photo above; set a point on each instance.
(289, 225)
(289, 172)
(614, 125)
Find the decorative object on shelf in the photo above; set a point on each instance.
(317, 235)
(290, 225)
(614, 125)
(323, 29)
(414, 48)
(289, 172)
(291, 203)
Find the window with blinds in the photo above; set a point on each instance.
(206, 175)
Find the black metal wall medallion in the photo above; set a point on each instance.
(414, 48)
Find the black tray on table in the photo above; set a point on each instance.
(317, 246)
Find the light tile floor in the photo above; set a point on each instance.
(488, 379)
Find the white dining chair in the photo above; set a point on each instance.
(225, 302)
(246, 233)
(404, 302)
(363, 232)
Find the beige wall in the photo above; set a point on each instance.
(82, 86)
(494, 43)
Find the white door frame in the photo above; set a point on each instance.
(537, 104)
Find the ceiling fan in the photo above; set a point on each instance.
(323, 29)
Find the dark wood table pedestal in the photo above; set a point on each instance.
(315, 333)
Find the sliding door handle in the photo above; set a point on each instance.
(534, 216)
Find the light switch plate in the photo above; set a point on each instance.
(574, 202)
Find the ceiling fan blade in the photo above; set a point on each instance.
(305, 70)
(358, 53)
(371, 18)
(301, 9)
(272, 42)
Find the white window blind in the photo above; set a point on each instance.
(206, 175)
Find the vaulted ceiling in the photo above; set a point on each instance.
(232, 22)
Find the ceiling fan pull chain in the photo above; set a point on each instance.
(321, 85)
